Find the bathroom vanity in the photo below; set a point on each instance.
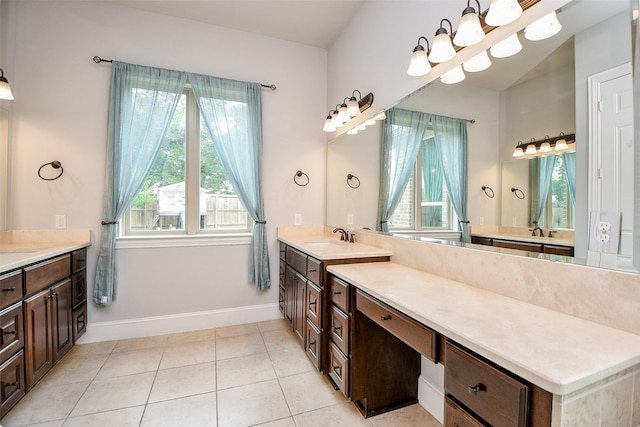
(43, 305)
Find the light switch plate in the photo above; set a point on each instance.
(350, 219)
(297, 219)
(61, 222)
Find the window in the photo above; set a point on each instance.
(558, 208)
(425, 204)
(187, 190)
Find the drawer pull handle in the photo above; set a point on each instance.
(387, 317)
(312, 343)
(338, 370)
(337, 329)
(337, 292)
(9, 289)
(313, 303)
(13, 384)
(475, 389)
(9, 332)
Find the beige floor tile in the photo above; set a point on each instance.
(123, 363)
(187, 354)
(280, 339)
(92, 350)
(290, 362)
(244, 370)
(341, 414)
(189, 411)
(243, 345)
(57, 423)
(128, 417)
(183, 381)
(251, 404)
(191, 336)
(45, 403)
(115, 393)
(309, 391)
(73, 368)
(141, 343)
(410, 416)
(274, 325)
(285, 422)
(237, 330)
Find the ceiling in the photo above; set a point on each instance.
(310, 22)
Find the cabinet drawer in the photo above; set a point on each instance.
(79, 287)
(558, 250)
(455, 416)
(12, 331)
(314, 269)
(281, 297)
(297, 260)
(339, 368)
(39, 276)
(283, 251)
(313, 343)
(78, 260)
(414, 334)
(10, 288)
(339, 331)
(314, 304)
(522, 246)
(12, 385)
(281, 273)
(79, 322)
(339, 293)
(496, 397)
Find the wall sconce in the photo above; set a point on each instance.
(545, 146)
(478, 63)
(502, 12)
(469, 30)
(5, 89)
(419, 65)
(456, 75)
(543, 28)
(507, 47)
(442, 50)
(350, 107)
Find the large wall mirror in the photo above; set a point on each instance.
(4, 166)
(550, 87)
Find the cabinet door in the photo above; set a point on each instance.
(38, 348)
(62, 326)
(300, 312)
(289, 293)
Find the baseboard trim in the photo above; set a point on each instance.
(174, 323)
(431, 399)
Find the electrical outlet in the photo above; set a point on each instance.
(350, 219)
(604, 226)
(61, 222)
(603, 237)
(297, 219)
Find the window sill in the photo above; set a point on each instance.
(139, 242)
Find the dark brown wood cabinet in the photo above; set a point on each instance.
(547, 248)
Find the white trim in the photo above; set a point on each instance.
(431, 399)
(136, 242)
(175, 323)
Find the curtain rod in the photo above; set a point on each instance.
(98, 60)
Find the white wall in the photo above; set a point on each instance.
(60, 113)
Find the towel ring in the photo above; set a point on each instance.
(350, 177)
(488, 190)
(54, 164)
(299, 174)
(518, 193)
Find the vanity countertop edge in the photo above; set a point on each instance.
(326, 248)
(557, 352)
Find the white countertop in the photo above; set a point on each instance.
(328, 248)
(555, 351)
(21, 248)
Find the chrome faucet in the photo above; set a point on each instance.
(344, 236)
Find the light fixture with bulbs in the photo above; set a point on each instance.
(546, 146)
(442, 49)
(507, 47)
(470, 30)
(455, 75)
(503, 12)
(543, 28)
(5, 89)
(419, 65)
(349, 108)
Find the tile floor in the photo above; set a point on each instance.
(245, 375)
